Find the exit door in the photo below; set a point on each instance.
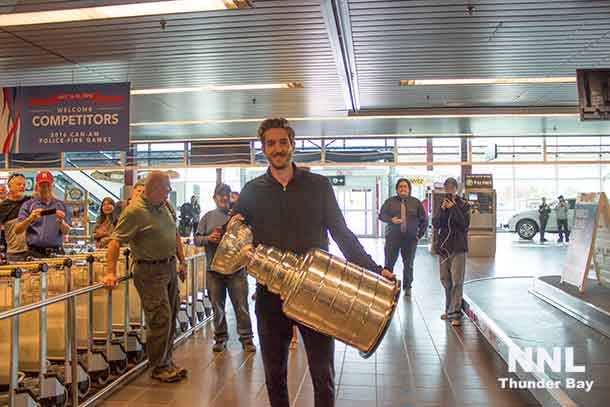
(360, 206)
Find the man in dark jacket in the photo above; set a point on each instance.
(452, 222)
(292, 209)
(543, 211)
(406, 223)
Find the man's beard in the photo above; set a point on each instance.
(288, 161)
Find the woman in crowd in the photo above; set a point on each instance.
(105, 223)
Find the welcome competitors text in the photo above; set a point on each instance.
(89, 119)
(509, 383)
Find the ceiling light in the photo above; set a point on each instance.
(487, 81)
(212, 88)
(118, 11)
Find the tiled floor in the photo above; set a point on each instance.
(422, 361)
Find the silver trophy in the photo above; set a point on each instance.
(319, 290)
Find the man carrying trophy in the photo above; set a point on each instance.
(292, 209)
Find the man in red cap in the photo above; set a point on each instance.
(43, 219)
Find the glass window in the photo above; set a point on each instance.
(570, 188)
(573, 148)
(167, 147)
(411, 149)
(446, 149)
(499, 171)
(535, 171)
(528, 193)
(578, 171)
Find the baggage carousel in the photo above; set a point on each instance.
(526, 314)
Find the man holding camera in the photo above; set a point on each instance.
(43, 219)
(209, 233)
(452, 222)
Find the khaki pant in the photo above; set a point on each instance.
(157, 285)
(452, 270)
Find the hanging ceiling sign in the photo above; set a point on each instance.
(64, 118)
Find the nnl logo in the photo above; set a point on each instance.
(543, 358)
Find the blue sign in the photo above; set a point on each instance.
(65, 118)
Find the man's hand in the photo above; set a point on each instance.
(60, 216)
(215, 236)
(236, 218)
(448, 204)
(396, 220)
(182, 271)
(109, 280)
(388, 274)
(35, 214)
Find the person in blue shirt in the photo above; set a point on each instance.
(43, 219)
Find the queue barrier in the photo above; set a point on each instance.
(58, 321)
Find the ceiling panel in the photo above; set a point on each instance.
(396, 40)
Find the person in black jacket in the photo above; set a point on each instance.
(406, 223)
(452, 222)
(293, 209)
(543, 211)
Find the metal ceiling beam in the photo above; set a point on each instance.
(338, 27)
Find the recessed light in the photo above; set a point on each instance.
(212, 88)
(487, 81)
(118, 11)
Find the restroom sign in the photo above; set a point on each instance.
(337, 180)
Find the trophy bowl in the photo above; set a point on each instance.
(233, 250)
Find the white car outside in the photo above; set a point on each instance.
(527, 223)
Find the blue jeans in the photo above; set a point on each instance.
(237, 286)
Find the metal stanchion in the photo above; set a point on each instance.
(126, 324)
(14, 366)
(71, 339)
(42, 338)
(90, 316)
(109, 326)
(192, 265)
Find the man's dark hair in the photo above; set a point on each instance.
(451, 181)
(275, 124)
(404, 180)
(222, 189)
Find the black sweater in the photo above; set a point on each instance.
(297, 218)
(452, 226)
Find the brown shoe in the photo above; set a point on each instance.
(165, 375)
(180, 371)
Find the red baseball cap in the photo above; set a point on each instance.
(44, 176)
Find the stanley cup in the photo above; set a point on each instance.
(319, 290)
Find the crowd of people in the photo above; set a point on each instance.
(146, 222)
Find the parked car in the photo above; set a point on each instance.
(527, 223)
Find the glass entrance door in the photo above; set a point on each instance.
(359, 207)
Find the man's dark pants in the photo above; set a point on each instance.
(543, 221)
(406, 247)
(275, 333)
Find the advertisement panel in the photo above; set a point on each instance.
(64, 118)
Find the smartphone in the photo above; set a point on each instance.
(449, 197)
(46, 212)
